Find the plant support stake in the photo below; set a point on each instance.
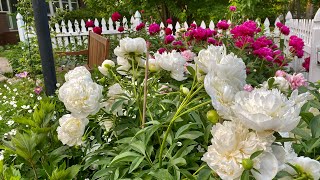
(45, 46)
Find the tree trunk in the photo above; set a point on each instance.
(309, 10)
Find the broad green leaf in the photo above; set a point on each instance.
(116, 174)
(315, 126)
(126, 156)
(302, 133)
(139, 146)
(191, 70)
(204, 173)
(187, 174)
(184, 128)
(190, 135)
(135, 163)
(314, 145)
(282, 174)
(245, 175)
(161, 174)
(255, 154)
(178, 162)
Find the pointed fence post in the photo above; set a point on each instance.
(45, 46)
(21, 27)
(314, 74)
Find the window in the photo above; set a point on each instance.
(4, 5)
(64, 4)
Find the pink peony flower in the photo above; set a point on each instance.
(89, 23)
(97, 30)
(154, 29)
(281, 73)
(306, 64)
(38, 90)
(285, 30)
(177, 43)
(297, 45)
(120, 28)
(161, 50)
(248, 87)
(188, 55)
(168, 31)
(200, 34)
(193, 25)
(211, 40)
(296, 80)
(279, 25)
(24, 74)
(140, 26)
(232, 8)
(115, 16)
(248, 28)
(223, 25)
(169, 21)
(169, 39)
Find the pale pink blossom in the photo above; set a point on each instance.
(281, 73)
(296, 80)
(248, 87)
(188, 55)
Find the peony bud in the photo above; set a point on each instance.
(213, 116)
(184, 90)
(247, 164)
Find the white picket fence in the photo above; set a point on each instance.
(70, 34)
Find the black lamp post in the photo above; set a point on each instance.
(45, 46)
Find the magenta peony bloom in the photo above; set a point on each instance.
(97, 30)
(296, 80)
(263, 53)
(200, 33)
(89, 23)
(261, 42)
(285, 30)
(115, 16)
(38, 90)
(169, 21)
(306, 64)
(248, 28)
(279, 25)
(232, 8)
(154, 29)
(161, 50)
(211, 40)
(120, 28)
(177, 43)
(140, 26)
(223, 25)
(168, 31)
(297, 45)
(169, 39)
(193, 25)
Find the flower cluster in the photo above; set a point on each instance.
(306, 64)
(262, 110)
(154, 29)
(81, 96)
(297, 45)
(283, 29)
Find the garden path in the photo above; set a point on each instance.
(4, 68)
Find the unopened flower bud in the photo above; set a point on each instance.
(184, 90)
(247, 164)
(213, 116)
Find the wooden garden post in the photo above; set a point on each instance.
(45, 46)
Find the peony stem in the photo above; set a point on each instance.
(177, 114)
(145, 90)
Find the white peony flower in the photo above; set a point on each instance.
(81, 96)
(310, 167)
(124, 65)
(231, 69)
(314, 111)
(71, 129)
(263, 109)
(279, 82)
(208, 56)
(129, 47)
(78, 73)
(107, 64)
(173, 62)
(231, 143)
(221, 93)
(153, 65)
(114, 92)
